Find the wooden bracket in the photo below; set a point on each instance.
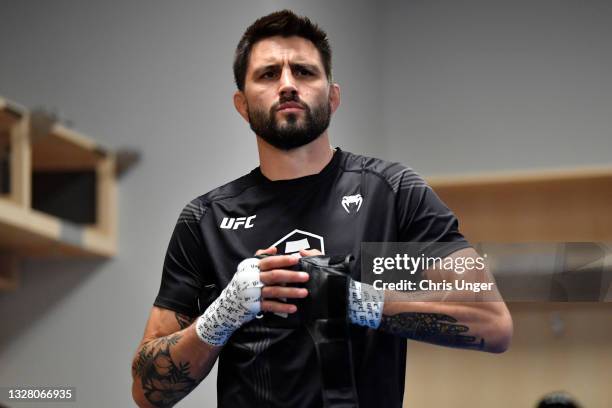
(41, 124)
(9, 273)
(21, 164)
(125, 159)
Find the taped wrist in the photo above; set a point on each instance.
(237, 304)
(365, 304)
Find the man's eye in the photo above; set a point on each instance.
(303, 72)
(268, 75)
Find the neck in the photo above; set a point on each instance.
(277, 164)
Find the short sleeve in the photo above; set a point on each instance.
(186, 283)
(424, 218)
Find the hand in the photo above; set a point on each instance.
(310, 252)
(273, 277)
(365, 304)
(242, 298)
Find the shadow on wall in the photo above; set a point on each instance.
(44, 284)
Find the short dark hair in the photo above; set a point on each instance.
(284, 23)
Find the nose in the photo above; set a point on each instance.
(287, 87)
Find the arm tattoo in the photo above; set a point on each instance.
(164, 381)
(183, 320)
(434, 328)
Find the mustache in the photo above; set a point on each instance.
(295, 99)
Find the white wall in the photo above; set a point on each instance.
(485, 85)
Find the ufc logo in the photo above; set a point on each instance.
(235, 223)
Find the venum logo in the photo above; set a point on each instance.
(235, 223)
(352, 203)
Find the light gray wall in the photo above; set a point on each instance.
(443, 86)
(155, 76)
(495, 85)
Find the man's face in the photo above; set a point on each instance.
(287, 98)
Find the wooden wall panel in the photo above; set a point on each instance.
(555, 346)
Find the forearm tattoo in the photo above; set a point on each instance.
(434, 328)
(164, 381)
(183, 320)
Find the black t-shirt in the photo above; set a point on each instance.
(353, 199)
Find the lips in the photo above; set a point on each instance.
(290, 106)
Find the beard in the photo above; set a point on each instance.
(292, 134)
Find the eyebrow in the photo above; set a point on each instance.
(311, 67)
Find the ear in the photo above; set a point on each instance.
(240, 104)
(334, 96)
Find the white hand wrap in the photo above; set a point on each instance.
(238, 304)
(365, 304)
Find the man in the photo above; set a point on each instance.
(305, 198)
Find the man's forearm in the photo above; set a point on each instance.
(168, 368)
(453, 318)
(479, 326)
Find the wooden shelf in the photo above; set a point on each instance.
(531, 206)
(33, 233)
(57, 192)
(64, 149)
